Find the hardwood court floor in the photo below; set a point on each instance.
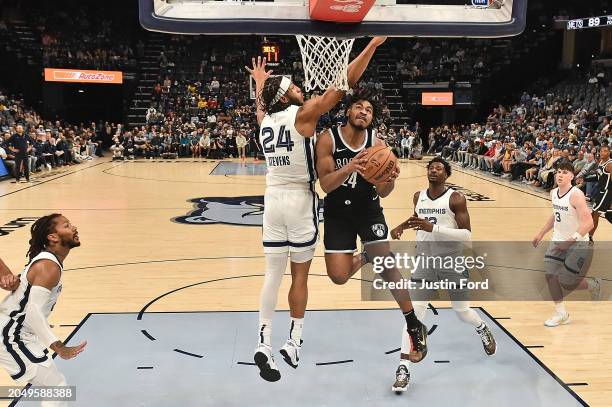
(132, 253)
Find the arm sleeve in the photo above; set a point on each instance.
(35, 318)
(461, 235)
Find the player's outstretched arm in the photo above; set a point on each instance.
(309, 113)
(259, 74)
(43, 276)
(329, 177)
(358, 65)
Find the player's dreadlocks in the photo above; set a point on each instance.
(39, 232)
(268, 93)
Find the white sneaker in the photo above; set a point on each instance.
(291, 353)
(557, 319)
(402, 380)
(49, 167)
(596, 291)
(265, 362)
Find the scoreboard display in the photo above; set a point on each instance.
(271, 52)
(589, 22)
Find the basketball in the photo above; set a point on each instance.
(380, 164)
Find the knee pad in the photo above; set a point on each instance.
(302, 257)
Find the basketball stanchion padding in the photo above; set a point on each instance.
(340, 11)
(380, 163)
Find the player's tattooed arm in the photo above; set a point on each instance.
(396, 232)
(259, 74)
(331, 178)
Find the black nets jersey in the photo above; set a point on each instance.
(354, 192)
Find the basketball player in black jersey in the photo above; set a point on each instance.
(352, 206)
(601, 201)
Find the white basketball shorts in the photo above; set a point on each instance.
(291, 219)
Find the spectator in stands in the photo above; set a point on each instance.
(117, 150)
(214, 86)
(5, 158)
(586, 179)
(416, 149)
(20, 146)
(241, 143)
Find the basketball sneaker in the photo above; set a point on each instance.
(265, 362)
(557, 319)
(291, 353)
(402, 379)
(488, 341)
(418, 342)
(596, 291)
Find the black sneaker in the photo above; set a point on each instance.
(402, 380)
(488, 341)
(418, 342)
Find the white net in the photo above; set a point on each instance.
(325, 61)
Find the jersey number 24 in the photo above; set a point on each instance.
(284, 139)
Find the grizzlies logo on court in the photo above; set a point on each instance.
(239, 210)
(379, 229)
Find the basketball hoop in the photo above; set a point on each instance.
(325, 61)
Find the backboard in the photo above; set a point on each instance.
(397, 18)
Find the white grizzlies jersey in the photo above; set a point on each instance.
(566, 217)
(289, 155)
(438, 212)
(14, 304)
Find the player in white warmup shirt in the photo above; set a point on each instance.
(442, 222)
(290, 220)
(568, 256)
(23, 313)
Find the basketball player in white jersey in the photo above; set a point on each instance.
(290, 220)
(602, 201)
(23, 313)
(442, 222)
(568, 256)
(352, 207)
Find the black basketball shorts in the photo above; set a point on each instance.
(601, 201)
(342, 228)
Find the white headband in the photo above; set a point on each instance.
(282, 89)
